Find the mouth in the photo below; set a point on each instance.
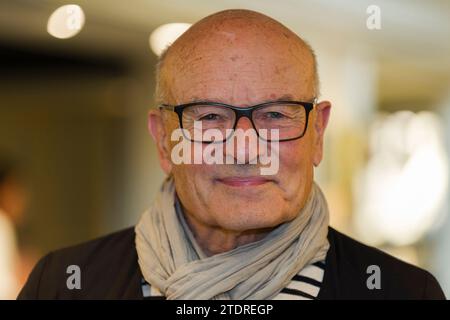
(244, 181)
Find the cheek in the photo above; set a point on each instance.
(195, 188)
(191, 175)
(295, 157)
(296, 167)
(193, 182)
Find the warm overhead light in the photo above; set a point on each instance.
(165, 35)
(66, 21)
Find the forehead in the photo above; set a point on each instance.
(239, 67)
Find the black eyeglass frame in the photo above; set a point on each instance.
(241, 112)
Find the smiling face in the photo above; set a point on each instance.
(241, 58)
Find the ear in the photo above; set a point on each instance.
(322, 114)
(157, 130)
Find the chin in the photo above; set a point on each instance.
(250, 219)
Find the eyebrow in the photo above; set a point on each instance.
(284, 97)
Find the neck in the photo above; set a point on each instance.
(214, 240)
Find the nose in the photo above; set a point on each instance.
(243, 147)
(244, 123)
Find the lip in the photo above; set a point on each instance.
(244, 181)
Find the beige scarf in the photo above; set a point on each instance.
(171, 260)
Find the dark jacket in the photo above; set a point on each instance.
(109, 270)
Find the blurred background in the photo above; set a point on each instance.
(76, 83)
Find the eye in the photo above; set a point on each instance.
(274, 115)
(210, 117)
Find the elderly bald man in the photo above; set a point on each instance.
(224, 229)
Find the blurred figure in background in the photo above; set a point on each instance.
(13, 202)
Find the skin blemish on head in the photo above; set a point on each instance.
(234, 58)
(230, 36)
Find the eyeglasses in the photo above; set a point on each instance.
(290, 118)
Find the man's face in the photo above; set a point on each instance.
(239, 69)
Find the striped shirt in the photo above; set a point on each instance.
(304, 286)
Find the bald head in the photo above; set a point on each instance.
(227, 45)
